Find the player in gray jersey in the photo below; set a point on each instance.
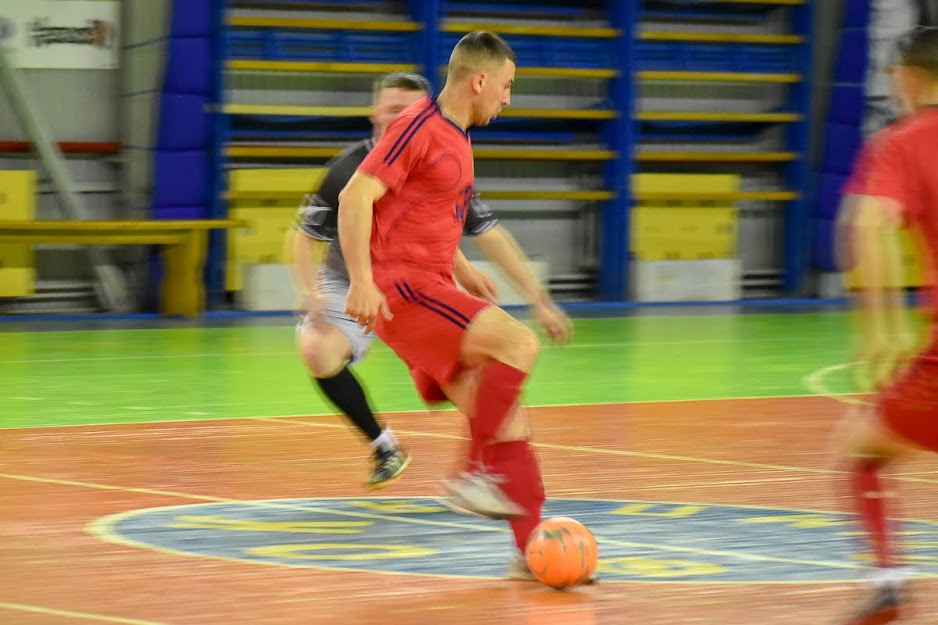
(328, 339)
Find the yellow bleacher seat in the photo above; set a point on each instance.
(684, 230)
(261, 242)
(267, 200)
(270, 182)
(17, 203)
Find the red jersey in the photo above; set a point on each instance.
(861, 166)
(905, 168)
(426, 161)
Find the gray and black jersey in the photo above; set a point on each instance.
(318, 217)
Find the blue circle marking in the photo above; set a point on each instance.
(638, 540)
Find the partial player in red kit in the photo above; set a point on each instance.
(400, 222)
(853, 188)
(898, 188)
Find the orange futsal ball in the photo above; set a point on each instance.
(562, 553)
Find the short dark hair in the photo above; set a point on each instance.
(408, 81)
(478, 49)
(919, 48)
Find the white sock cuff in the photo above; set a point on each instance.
(386, 440)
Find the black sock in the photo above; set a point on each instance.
(346, 393)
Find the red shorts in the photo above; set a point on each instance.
(429, 389)
(430, 320)
(909, 407)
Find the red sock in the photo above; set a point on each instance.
(515, 462)
(499, 388)
(870, 502)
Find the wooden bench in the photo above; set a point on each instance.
(184, 246)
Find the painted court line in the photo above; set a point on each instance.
(292, 353)
(815, 383)
(84, 616)
(109, 419)
(243, 502)
(616, 452)
(387, 517)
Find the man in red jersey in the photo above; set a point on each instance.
(400, 221)
(853, 188)
(899, 188)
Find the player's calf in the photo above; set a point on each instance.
(326, 351)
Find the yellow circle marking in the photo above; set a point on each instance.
(365, 552)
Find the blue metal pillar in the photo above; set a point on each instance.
(428, 13)
(797, 237)
(221, 126)
(618, 135)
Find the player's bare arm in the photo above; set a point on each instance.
(843, 235)
(306, 255)
(474, 281)
(500, 247)
(356, 214)
(884, 334)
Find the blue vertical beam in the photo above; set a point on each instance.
(618, 134)
(221, 125)
(797, 249)
(429, 14)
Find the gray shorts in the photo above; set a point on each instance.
(334, 290)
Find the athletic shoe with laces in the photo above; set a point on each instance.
(389, 465)
(479, 493)
(884, 607)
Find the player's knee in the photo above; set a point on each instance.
(324, 356)
(526, 347)
(496, 335)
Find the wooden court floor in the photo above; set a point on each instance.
(190, 476)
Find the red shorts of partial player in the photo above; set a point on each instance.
(430, 320)
(909, 407)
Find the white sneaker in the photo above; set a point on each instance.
(518, 569)
(449, 484)
(479, 493)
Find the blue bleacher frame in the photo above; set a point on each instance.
(544, 51)
(533, 10)
(429, 47)
(756, 58)
(715, 57)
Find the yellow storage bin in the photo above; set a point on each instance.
(17, 203)
(684, 230)
(684, 233)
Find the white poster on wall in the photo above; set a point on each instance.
(69, 34)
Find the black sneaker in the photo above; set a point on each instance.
(389, 465)
(884, 607)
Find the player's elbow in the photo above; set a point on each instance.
(351, 191)
(343, 197)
